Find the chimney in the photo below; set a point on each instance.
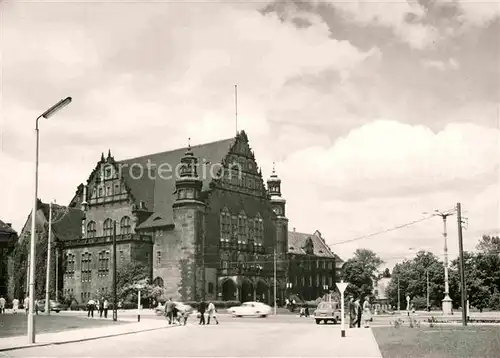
(8, 224)
(293, 229)
(141, 205)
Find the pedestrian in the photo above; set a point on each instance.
(90, 308)
(15, 305)
(201, 310)
(168, 310)
(36, 307)
(367, 315)
(26, 304)
(352, 312)
(211, 312)
(175, 313)
(105, 307)
(357, 311)
(2, 305)
(306, 311)
(101, 306)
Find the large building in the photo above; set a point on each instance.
(200, 218)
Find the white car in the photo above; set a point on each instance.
(252, 309)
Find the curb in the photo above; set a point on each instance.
(25, 346)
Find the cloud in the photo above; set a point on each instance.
(404, 19)
(478, 13)
(442, 66)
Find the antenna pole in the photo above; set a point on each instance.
(236, 105)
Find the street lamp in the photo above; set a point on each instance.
(31, 318)
(447, 302)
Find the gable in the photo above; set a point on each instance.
(240, 171)
(298, 243)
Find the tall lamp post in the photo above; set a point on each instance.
(447, 302)
(31, 318)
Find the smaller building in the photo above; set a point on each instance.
(313, 267)
(380, 293)
(8, 238)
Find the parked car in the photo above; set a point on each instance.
(160, 310)
(255, 309)
(54, 306)
(327, 312)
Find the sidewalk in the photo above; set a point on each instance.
(79, 335)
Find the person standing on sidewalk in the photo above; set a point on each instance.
(352, 312)
(15, 305)
(211, 312)
(105, 306)
(201, 310)
(26, 304)
(357, 310)
(2, 305)
(101, 306)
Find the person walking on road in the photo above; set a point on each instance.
(101, 306)
(15, 305)
(357, 311)
(211, 312)
(2, 305)
(90, 307)
(201, 310)
(105, 306)
(367, 314)
(352, 312)
(26, 304)
(169, 305)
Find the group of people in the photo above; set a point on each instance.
(101, 305)
(15, 305)
(359, 313)
(179, 314)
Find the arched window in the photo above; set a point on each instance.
(242, 228)
(259, 230)
(70, 265)
(158, 282)
(91, 229)
(125, 225)
(108, 228)
(225, 225)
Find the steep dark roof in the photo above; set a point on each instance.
(66, 221)
(297, 242)
(7, 234)
(157, 192)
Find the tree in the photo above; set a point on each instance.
(489, 244)
(360, 272)
(386, 273)
(412, 278)
(132, 277)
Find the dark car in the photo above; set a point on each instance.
(54, 306)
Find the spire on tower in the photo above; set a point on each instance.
(109, 153)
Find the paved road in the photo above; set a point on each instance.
(233, 337)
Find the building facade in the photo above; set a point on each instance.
(199, 218)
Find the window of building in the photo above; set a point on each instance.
(147, 258)
(117, 189)
(224, 261)
(330, 281)
(225, 225)
(70, 266)
(103, 268)
(91, 231)
(100, 192)
(94, 193)
(158, 281)
(108, 228)
(259, 230)
(158, 258)
(241, 261)
(122, 258)
(210, 288)
(86, 267)
(310, 281)
(242, 228)
(317, 281)
(323, 280)
(234, 227)
(330, 266)
(317, 264)
(108, 191)
(125, 225)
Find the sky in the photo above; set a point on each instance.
(374, 112)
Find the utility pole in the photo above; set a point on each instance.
(275, 277)
(447, 302)
(428, 297)
(399, 298)
(115, 303)
(49, 249)
(462, 266)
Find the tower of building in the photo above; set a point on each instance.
(188, 215)
(278, 204)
